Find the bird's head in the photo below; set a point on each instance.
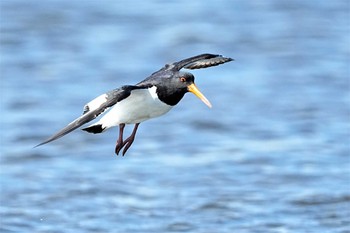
(181, 83)
(186, 81)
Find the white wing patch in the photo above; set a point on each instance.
(153, 92)
(95, 103)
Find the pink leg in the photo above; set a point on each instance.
(120, 142)
(127, 143)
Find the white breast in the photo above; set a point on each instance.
(141, 105)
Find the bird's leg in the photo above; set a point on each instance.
(127, 143)
(120, 143)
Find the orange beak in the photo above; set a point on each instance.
(192, 88)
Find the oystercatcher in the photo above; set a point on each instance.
(150, 98)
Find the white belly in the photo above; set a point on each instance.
(141, 105)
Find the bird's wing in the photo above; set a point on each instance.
(207, 63)
(93, 109)
(201, 61)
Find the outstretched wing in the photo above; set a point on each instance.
(201, 61)
(93, 109)
(208, 63)
(197, 62)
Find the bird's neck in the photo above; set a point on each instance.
(170, 96)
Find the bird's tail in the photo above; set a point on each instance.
(96, 128)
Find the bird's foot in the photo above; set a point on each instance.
(120, 142)
(118, 147)
(127, 143)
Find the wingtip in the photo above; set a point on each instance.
(40, 144)
(227, 58)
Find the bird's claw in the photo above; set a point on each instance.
(127, 142)
(118, 147)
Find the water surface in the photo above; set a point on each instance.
(272, 155)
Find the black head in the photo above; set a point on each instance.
(173, 88)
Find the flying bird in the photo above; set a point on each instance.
(150, 98)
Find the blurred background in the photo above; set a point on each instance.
(272, 155)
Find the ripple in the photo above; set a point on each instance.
(270, 156)
(181, 227)
(322, 200)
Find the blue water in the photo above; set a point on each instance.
(272, 155)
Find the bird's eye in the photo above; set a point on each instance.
(182, 79)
